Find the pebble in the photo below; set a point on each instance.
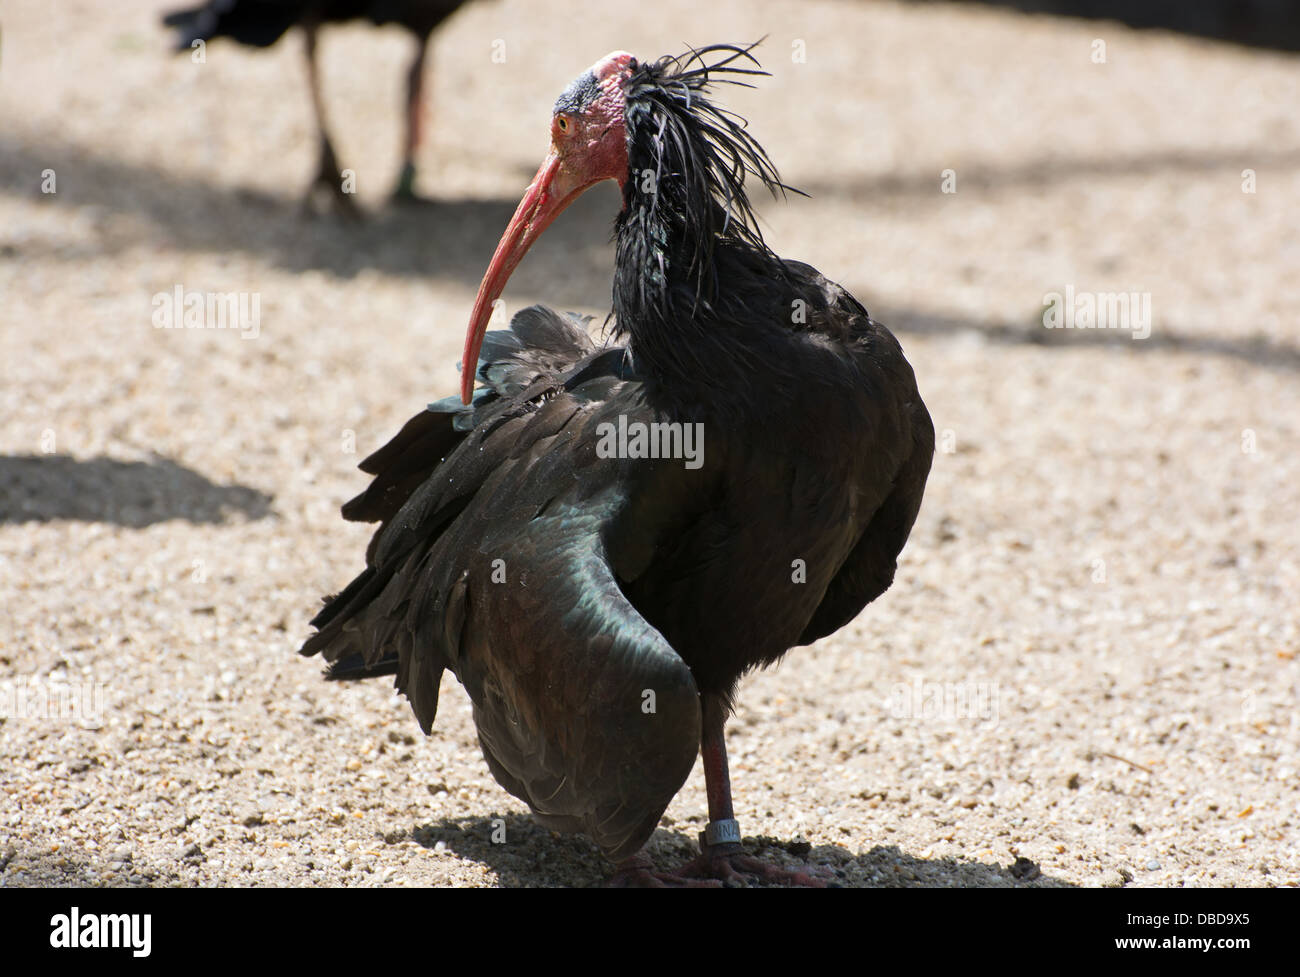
(1117, 879)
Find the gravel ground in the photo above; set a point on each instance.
(1086, 672)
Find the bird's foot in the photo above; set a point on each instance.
(735, 869)
(718, 867)
(330, 190)
(639, 872)
(404, 192)
(325, 198)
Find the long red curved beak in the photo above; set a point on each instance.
(552, 189)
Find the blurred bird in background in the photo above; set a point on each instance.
(260, 23)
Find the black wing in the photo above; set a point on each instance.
(491, 561)
(868, 570)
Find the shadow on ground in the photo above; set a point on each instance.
(524, 854)
(453, 240)
(450, 240)
(1260, 351)
(1254, 23)
(42, 488)
(1039, 172)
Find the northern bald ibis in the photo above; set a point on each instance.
(261, 23)
(599, 601)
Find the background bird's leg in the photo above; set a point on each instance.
(414, 121)
(328, 175)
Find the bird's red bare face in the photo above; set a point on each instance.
(588, 145)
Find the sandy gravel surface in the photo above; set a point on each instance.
(1086, 672)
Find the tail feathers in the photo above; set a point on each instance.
(539, 341)
(363, 588)
(355, 668)
(361, 632)
(370, 630)
(403, 465)
(373, 625)
(255, 24)
(191, 26)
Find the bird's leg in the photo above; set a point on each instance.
(328, 177)
(405, 191)
(721, 856)
(721, 836)
(721, 861)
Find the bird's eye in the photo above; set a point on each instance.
(563, 123)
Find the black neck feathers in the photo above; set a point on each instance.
(688, 238)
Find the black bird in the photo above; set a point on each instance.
(598, 601)
(260, 23)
